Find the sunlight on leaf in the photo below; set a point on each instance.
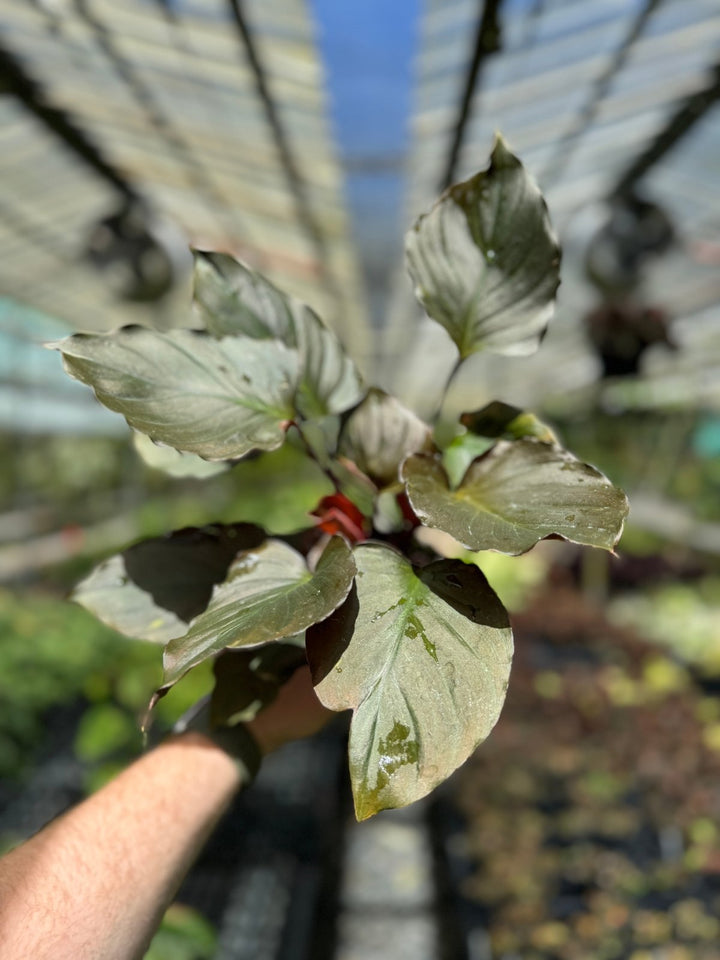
(423, 659)
(233, 299)
(485, 261)
(516, 494)
(216, 398)
(501, 420)
(269, 594)
(154, 588)
(380, 433)
(346, 474)
(460, 453)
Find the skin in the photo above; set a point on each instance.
(94, 884)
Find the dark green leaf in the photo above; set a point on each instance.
(248, 680)
(104, 729)
(423, 659)
(501, 420)
(380, 433)
(517, 493)
(153, 589)
(233, 299)
(269, 594)
(217, 398)
(485, 261)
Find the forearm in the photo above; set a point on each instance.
(94, 884)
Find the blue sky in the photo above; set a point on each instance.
(368, 49)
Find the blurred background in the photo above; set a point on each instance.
(305, 136)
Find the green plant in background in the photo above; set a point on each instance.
(682, 617)
(417, 646)
(54, 654)
(183, 935)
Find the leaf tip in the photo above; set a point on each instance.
(363, 810)
(502, 155)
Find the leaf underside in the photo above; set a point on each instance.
(216, 398)
(233, 300)
(269, 594)
(485, 261)
(153, 589)
(423, 660)
(516, 494)
(499, 419)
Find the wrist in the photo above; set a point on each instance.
(237, 741)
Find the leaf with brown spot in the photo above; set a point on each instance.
(423, 659)
(516, 494)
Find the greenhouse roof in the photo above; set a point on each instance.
(136, 128)
(598, 99)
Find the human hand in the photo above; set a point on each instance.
(295, 713)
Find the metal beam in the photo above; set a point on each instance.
(15, 79)
(682, 121)
(294, 179)
(487, 42)
(146, 100)
(586, 115)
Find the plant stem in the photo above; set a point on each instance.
(311, 452)
(448, 383)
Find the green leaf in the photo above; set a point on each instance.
(380, 433)
(460, 453)
(501, 420)
(269, 594)
(173, 462)
(517, 493)
(153, 589)
(233, 299)
(104, 729)
(485, 261)
(388, 516)
(496, 420)
(184, 934)
(217, 398)
(422, 657)
(248, 680)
